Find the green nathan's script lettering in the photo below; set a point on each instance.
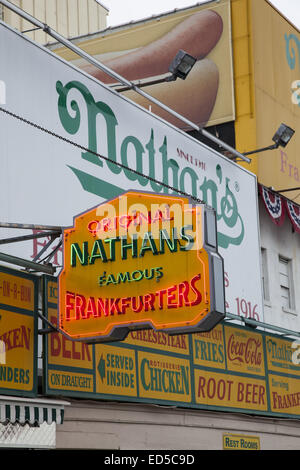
(148, 156)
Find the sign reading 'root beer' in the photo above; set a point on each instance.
(140, 261)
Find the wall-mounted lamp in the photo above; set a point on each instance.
(281, 138)
(180, 67)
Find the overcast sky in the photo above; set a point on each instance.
(123, 11)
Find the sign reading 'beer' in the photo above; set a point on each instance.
(141, 261)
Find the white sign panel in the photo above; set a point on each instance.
(44, 180)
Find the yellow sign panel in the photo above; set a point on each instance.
(280, 356)
(16, 291)
(159, 340)
(232, 391)
(164, 377)
(209, 348)
(116, 370)
(119, 271)
(52, 292)
(70, 381)
(62, 351)
(284, 394)
(17, 338)
(244, 351)
(240, 442)
(18, 333)
(228, 368)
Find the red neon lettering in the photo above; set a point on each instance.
(194, 289)
(157, 216)
(103, 306)
(149, 300)
(128, 220)
(78, 307)
(135, 308)
(171, 297)
(183, 294)
(113, 306)
(91, 310)
(94, 226)
(125, 303)
(69, 307)
(80, 304)
(160, 295)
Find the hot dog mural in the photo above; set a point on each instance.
(143, 53)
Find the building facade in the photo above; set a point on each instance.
(239, 382)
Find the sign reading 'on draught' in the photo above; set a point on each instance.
(141, 260)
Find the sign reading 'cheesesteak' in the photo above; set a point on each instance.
(141, 261)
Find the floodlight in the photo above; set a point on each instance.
(281, 138)
(283, 135)
(181, 65)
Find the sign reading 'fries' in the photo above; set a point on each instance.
(141, 261)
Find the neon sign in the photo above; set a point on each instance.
(141, 261)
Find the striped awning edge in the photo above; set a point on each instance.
(31, 411)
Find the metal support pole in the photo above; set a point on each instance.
(118, 77)
(259, 324)
(50, 256)
(270, 147)
(55, 228)
(45, 248)
(51, 328)
(27, 264)
(4, 241)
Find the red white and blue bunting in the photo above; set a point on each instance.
(293, 211)
(277, 206)
(273, 203)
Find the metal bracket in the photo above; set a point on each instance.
(46, 231)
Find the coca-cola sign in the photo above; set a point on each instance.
(244, 351)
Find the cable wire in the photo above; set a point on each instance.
(81, 147)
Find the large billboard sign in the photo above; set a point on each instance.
(139, 261)
(52, 167)
(143, 52)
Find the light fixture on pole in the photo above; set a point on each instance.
(180, 67)
(281, 138)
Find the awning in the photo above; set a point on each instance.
(31, 411)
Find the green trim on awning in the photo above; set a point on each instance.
(30, 413)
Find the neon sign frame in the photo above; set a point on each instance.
(79, 307)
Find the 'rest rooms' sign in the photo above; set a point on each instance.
(141, 260)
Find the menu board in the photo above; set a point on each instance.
(230, 368)
(18, 332)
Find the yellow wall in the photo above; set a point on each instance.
(263, 91)
(277, 67)
(70, 18)
(245, 125)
